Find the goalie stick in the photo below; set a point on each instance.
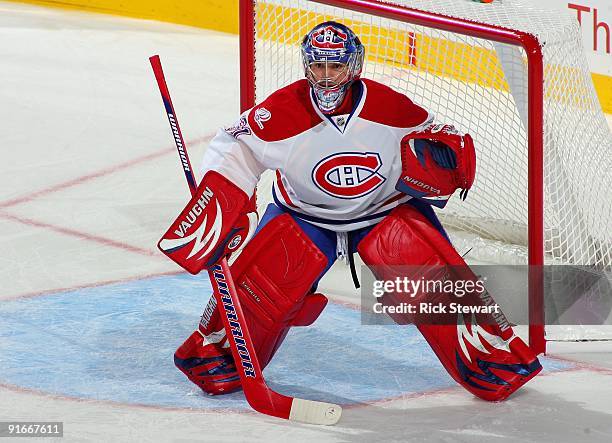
(256, 391)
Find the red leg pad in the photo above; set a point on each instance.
(312, 308)
(487, 358)
(273, 276)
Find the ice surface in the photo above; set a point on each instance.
(90, 312)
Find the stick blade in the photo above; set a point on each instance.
(314, 412)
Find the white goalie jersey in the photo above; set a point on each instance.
(337, 172)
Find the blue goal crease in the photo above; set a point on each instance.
(116, 343)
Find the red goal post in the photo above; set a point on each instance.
(509, 96)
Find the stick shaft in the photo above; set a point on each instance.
(257, 393)
(174, 124)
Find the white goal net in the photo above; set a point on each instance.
(481, 86)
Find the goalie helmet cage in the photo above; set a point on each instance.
(514, 77)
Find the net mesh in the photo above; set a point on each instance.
(481, 87)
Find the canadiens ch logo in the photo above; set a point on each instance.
(328, 38)
(348, 174)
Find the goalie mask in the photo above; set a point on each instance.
(333, 58)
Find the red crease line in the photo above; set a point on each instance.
(57, 291)
(119, 404)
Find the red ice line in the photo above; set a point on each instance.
(85, 178)
(78, 234)
(78, 181)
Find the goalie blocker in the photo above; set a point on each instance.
(216, 222)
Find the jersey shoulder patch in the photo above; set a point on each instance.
(284, 114)
(388, 107)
